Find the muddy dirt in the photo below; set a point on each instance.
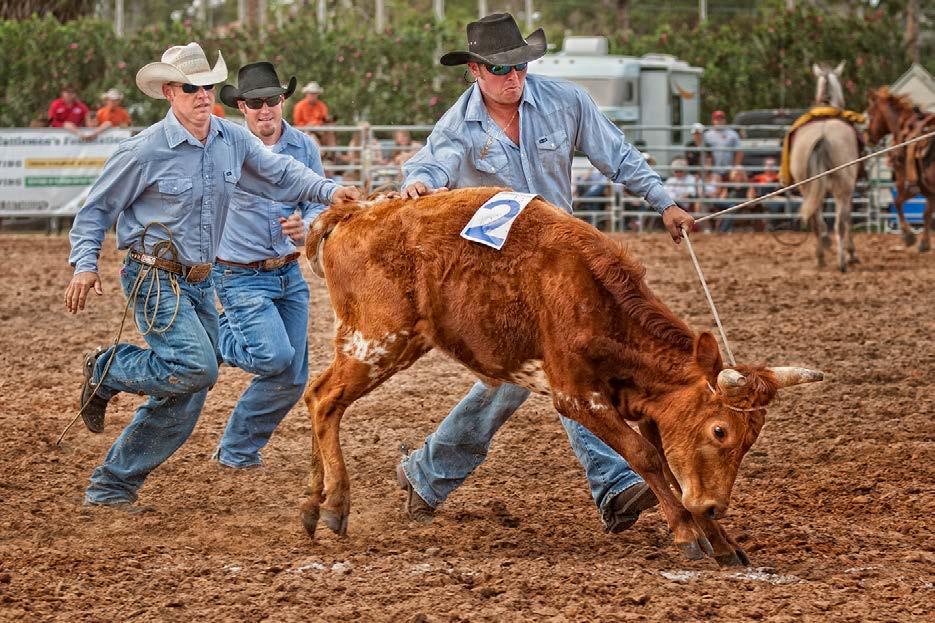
(834, 503)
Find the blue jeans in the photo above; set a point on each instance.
(460, 444)
(175, 372)
(264, 331)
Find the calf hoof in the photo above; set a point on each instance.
(336, 521)
(736, 558)
(842, 266)
(853, 260)
(909, 238)
(310, 520)
(696, 550)
(924, 246)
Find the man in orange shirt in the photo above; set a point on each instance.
(310, 110)
(112, 114)
(218, 110)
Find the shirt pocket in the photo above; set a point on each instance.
(553, 149)
(175, 192)
(494, 168)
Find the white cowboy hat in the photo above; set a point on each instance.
(180, 63)
(312, 87)
(113, 94)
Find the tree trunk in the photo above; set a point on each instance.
(912, 30)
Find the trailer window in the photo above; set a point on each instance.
(676, 120)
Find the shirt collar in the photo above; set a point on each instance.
(476, 111)
(290, 135)
(176, 134)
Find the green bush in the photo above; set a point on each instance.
(394, 77)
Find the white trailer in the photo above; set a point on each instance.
(652, 90)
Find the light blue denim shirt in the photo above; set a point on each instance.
(556, 118)
(253, 231)
(165, 175)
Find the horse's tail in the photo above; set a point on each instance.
(813, 193)
(321, 228)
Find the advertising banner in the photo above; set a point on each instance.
(44, 171)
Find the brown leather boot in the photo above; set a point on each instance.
(94, 405)
(415, 507)
(627, 506)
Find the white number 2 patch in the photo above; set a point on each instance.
(491, 224)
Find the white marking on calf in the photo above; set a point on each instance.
(531, 376)
(597, 402)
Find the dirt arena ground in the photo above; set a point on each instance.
(834, 503)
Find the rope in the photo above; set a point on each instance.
(159, 250)
(815, 177)
(707, 293)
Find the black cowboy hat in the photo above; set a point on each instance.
(256, 80)
(496, 40)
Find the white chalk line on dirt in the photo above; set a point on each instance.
(761, 574)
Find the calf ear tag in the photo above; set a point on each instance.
(491, 224)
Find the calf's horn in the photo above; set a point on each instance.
(730, 381)
(789, 376)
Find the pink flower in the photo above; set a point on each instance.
(368, 75)
(433, 101)
(73, 46)
(341, 58)
(279, 58)
(788, 82)
(851, 86)
(121, 65)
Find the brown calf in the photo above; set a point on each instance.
(562, 310)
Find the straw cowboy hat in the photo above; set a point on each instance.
(496, 40)
(180, 63)
(312, 87)
(256, 80)
(113, 94)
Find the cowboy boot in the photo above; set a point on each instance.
(627, 506)
(92, 406)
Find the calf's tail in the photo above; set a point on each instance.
(319, 231)
(813, 193)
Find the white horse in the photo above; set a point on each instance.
(817, 147)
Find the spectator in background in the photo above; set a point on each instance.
(218, 110)
(711, 188)
(112, 114)
(732, 193)
(404, 147)
(311, 111)
(683, 186)
(768, 181)
(723, 143)
(589, 185)
(69, 112)
(695, 145)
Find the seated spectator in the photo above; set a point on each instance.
(695, 146)
(589, 185)
(311, 111)
(404, 147)
(769, 180)
(112, 114)
(710, 188)
(683, 186)
(69, 112)
(732, 193)
(354, 156)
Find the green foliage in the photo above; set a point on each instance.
(764, 61)
(758, 60)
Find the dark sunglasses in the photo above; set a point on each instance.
(256, 103)
(502, 70)
(193, 88)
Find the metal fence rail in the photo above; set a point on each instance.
(371, 157)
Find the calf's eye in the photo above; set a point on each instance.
(719, 432)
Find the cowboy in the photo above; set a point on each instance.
(264, 327)
(510, 129)
(168, 189)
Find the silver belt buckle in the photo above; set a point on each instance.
(198, 273)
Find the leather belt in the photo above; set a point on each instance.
(270, 264)
(192, 274)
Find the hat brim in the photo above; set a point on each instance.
(229, 93)
(535, 48)
(151, 77)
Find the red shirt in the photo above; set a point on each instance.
(60, 112)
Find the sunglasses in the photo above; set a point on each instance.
(256, 103)
(193, 88)
(502, 70)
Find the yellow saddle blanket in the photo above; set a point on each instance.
(818, 112)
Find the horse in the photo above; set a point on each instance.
(821, 145)
(889, 113)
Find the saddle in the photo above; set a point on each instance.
(910, 128)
